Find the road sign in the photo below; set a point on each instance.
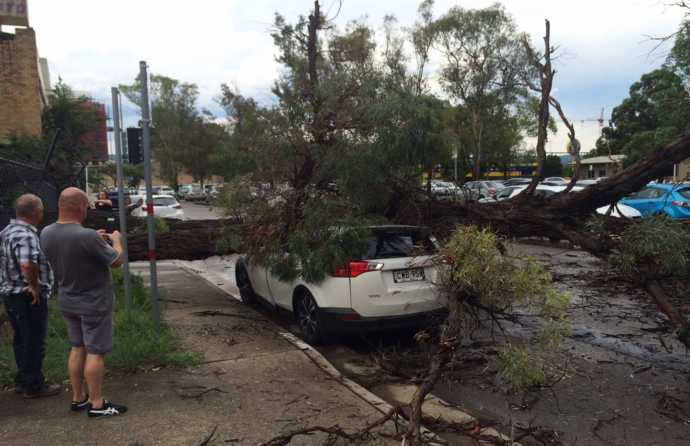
(568, 147)
(130, 179)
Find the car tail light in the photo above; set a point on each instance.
(351, 317)
(354, 269)
(684, 204)
(491, 191)
(177, 206)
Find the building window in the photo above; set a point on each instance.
(602, 173)
(590, 174)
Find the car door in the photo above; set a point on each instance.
(645, 201)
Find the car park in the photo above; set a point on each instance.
(164, 206)
(671, 199)
(392, 285)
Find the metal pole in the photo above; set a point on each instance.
(86, 169)
(121, 195)
(146, 139)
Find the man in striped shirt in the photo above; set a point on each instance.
(26, 281)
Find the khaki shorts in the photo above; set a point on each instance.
(94, 333)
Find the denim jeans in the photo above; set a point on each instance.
(30, 324)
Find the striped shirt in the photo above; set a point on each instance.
(20, 244)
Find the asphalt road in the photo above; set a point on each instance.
(199, 211)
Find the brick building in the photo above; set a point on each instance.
(22, 87)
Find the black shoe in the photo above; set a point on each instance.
(107, 409)
(78, 407)
(18, 389)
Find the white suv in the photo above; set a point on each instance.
(392, 285)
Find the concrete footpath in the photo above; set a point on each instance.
(253, 383)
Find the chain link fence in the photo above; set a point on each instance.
(20, 177)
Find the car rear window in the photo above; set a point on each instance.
(164, 201)
(389, 244)
(685, 193)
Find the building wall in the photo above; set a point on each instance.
(599, 170)
(20, 87)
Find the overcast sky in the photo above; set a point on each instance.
(95, 45)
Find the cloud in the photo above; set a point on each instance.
(95, 45)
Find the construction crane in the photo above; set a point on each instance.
(600, 119)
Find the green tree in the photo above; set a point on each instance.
(75, 118)
(480, 71)
(656, 112)
(553, 167)
(174, 115)
(205, 140)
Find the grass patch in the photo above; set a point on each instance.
(136, 347)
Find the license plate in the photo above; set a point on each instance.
(408, 275)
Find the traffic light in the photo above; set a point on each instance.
(134, 135)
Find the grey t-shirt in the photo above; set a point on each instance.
(80, 259)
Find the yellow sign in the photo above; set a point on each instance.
(568, 147)
(14, 12)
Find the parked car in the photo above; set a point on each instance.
(555, 180)
(114, 197)
(657, 199)
(182, 191)
(392, 285)
(163, 205)
(212, 193)
(517, 182)
(547, 191)
(165, 190)
(483, 189)
(196, 194)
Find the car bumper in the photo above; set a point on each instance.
(334, 320)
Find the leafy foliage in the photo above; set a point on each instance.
(476, 271)
(656, 113)
(75, 118)
(658, 245)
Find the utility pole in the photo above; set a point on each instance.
(146, 139)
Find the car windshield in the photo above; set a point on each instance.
(395, 243)
(493, 184)
(164, 201)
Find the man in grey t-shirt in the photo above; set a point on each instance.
(81, 260)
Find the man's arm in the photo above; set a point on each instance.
(114, 238)
(30, 272)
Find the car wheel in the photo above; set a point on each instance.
(307, 313)
(245, 285)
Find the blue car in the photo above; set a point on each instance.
(670, 199)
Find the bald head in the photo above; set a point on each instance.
(28, 206)
(72, 205)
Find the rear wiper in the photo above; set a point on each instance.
(391, 255)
